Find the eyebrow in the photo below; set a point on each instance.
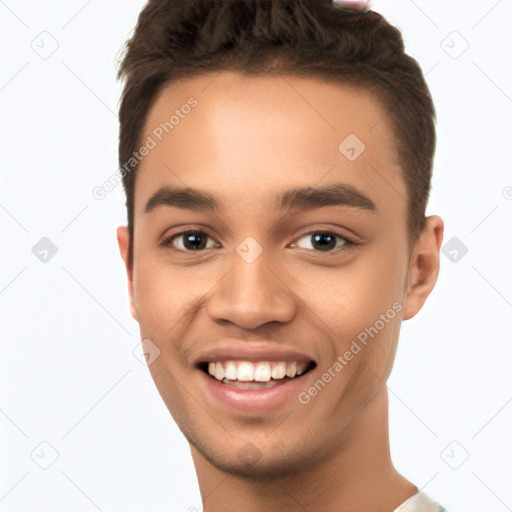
(295, 199)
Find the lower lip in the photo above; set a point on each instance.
(259, 400)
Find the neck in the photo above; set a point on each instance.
(356, 476)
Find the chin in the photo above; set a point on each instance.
(260, 470)
(251, 463)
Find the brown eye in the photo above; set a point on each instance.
(189, 241)
(325, 241)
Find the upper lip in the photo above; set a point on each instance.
(250, 351)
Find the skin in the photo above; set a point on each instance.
(248, 140)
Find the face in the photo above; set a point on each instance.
(290, 256)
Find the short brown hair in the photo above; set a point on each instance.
(180, 39)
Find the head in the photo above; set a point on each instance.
(294, 143)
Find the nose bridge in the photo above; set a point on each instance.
(251, 295)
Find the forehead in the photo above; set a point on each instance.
(247, 135)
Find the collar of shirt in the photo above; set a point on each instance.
(419, 502)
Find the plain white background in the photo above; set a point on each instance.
(69, 376)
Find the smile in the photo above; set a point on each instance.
(255, 374)
(253, 386)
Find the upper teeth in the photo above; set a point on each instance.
(261, 371)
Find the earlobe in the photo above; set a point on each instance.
(123, 240)
(424, 266)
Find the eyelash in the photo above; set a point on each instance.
(348, 242)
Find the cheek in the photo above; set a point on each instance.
(377, 306)
(159, 297)
(166, 298)
(361, 302)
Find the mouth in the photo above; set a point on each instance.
(252, 377)
(255, 375)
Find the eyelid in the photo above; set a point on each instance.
(185, 228)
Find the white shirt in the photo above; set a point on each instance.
(419, 502)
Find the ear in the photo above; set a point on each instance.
(424, 266)
(123, 240)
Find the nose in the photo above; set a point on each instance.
(252, 294)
